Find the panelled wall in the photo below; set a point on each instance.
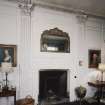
(92, 38)
(9, 35)
(84, 35)
(25, 31)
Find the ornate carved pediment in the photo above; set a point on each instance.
(55, 31)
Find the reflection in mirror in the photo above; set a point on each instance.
(55, 40)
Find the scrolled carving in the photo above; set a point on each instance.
(55, 31)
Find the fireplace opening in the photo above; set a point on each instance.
(53, 85)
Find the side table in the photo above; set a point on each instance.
(9, 93)
(99, 85)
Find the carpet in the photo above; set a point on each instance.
(82, 103)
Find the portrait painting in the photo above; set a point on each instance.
(8, 53)
(94, 58)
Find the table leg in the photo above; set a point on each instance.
(15, 100)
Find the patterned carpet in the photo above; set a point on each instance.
(82, 103)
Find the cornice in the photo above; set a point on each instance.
(66, 9)
(8, 3)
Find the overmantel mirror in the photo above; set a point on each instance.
(55, 40)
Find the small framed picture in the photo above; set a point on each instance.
(94, 58)
(8, 53)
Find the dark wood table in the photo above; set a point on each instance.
(99, 85)
(9, 93)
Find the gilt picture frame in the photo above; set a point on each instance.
(8, 53)
(94, 57)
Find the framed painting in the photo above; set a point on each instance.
(8, 53)
(94, 58)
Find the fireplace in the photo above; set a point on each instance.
(53, 85)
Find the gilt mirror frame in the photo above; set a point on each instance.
(55, 34)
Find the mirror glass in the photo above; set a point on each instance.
(55, 40)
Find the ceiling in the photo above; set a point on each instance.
(92, 7)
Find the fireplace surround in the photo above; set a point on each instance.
(53, 86)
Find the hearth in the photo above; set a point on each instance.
(53, 86)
